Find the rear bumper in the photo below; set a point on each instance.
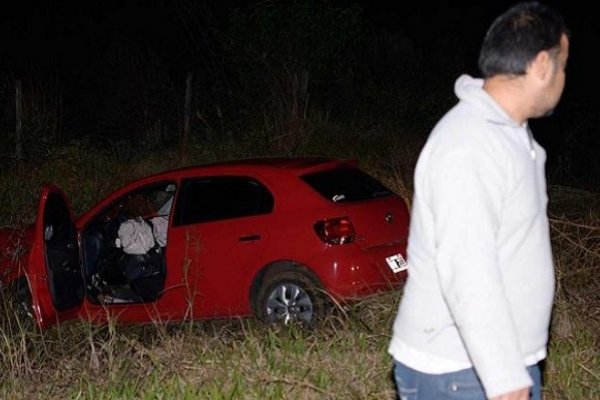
(349, 272)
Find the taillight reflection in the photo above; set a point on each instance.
(335, 230)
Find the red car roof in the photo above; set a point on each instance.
(297, 165)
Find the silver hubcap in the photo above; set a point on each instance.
(289, 302)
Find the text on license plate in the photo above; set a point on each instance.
(397, 263)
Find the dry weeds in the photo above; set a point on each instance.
(344, 358)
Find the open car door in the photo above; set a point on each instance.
(55, 276)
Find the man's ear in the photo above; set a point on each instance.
(542, 66)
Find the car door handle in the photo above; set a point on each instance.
(249, 238)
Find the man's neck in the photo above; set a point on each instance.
(509, 92)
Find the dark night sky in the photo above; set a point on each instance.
(71, 36)
(71, 33)
(43, 31)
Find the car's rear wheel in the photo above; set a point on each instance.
(289, 296)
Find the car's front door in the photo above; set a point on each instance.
(54, 266)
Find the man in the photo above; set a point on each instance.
(475, 312)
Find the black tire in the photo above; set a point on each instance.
(289, 295)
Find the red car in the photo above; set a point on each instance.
(277, 237)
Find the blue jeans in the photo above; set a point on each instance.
(460, 385)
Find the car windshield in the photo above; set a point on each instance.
(348, 184)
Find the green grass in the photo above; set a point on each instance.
(342, 358)
(228, 359)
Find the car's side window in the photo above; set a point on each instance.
(219, 198)
(154, 200)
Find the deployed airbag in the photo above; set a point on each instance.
(135, 236)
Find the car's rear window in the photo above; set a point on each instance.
(347, 184)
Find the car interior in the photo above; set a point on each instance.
(124, 247)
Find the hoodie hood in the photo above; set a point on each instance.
(470, 90)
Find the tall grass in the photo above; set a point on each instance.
(344, 357)
(573, 370)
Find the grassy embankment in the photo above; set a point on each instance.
(345, 358)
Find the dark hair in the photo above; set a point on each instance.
(516, 37)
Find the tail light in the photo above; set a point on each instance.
(335, 230)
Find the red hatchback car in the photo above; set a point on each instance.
(276, 237)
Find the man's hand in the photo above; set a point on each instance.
(521, 394)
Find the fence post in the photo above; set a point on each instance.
(19, 120)
(187, 109)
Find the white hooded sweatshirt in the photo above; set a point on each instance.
(480, 272)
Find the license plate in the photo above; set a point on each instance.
(397, 263)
